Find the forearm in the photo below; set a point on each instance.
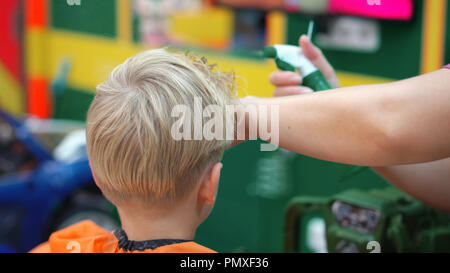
(428, 182)
(374, 125)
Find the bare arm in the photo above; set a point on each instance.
(425, 129)
(429, 182)
(374, 125)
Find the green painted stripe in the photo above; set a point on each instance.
(73, 104)
(136, 26)
(96, 17)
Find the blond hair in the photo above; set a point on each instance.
(128, 131)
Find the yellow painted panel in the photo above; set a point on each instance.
(207, 26)
(276, 28)
(11, 95)
(124, 22)
(254, 74)
(433, 35)
(92, 58)
(350, 79)
(35, 51)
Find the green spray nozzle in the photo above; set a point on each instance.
(291, 58)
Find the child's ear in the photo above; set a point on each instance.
(208, 189)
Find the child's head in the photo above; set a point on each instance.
(132, 153)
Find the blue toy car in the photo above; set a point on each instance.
(45, 188)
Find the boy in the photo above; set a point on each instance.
(163, 188)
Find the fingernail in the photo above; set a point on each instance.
(304, 35)
(303, 90)
(306, 91)
(295, 79)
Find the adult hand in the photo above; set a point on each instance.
(287, 83)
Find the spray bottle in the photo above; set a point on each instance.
(291, 58)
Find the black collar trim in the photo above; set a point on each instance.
(129, 245)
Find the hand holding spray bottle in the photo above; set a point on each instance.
(291, 58)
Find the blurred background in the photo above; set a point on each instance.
(53, 53)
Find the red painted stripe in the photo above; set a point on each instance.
(39, 100)
(10, 33)
(36, 13)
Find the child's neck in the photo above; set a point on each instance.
(143, 225)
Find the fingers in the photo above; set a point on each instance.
(283, 78)
(291, 90)
(314, 54)
(287, 84)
